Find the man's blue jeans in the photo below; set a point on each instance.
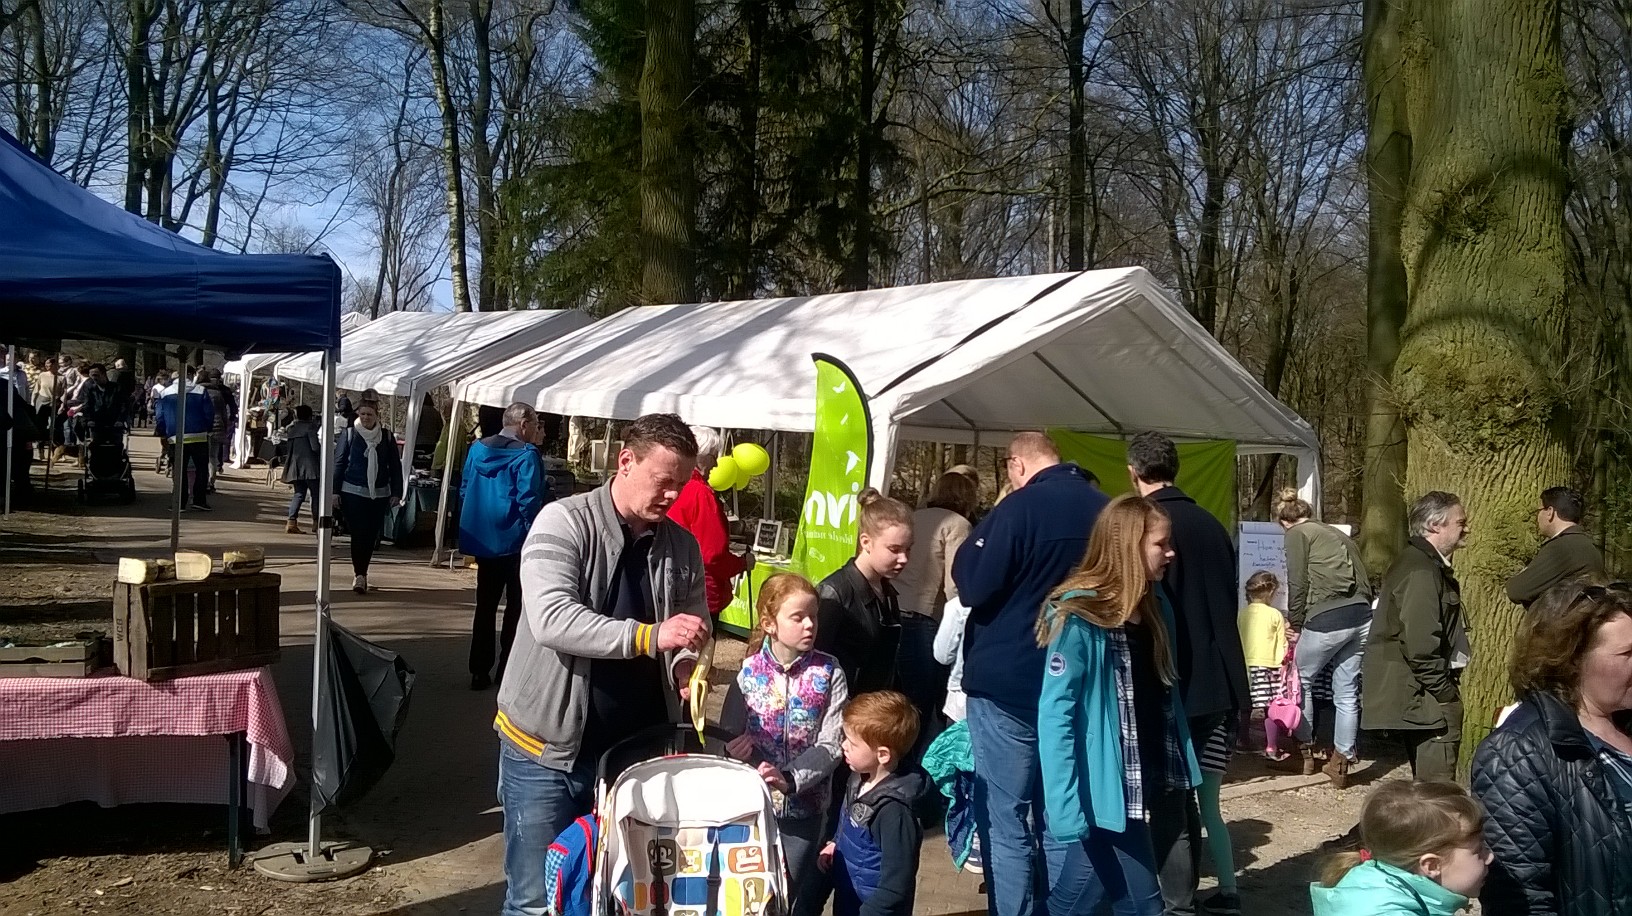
(1109, 867)
(538, 804)
(1022, 860)
(1345, 648)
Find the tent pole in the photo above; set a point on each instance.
(770, 478)
(325, 547)
(240, 440)
(11, 412)
(409, 435)
(736, 492)
(453, 433)
(315, 860)
(178, 465)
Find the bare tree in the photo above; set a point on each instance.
(57, 83)
(222, 91)
(396, 179)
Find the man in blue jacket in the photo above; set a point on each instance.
(195, 439)
(1013, 559)
(500, 492)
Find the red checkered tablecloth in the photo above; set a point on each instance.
(117, 740)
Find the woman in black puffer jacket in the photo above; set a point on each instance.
(1556, 777)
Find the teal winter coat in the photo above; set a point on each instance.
(1079, 730)
(1376, 889)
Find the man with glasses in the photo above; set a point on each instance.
(1567, 551)
(1418, 645)
(1018, 553)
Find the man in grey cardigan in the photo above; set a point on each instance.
(615, 609)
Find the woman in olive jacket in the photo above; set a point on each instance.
(1556, 777)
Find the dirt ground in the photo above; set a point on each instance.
(432, 821)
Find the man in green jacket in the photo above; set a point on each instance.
(1567, 551)
(1418, 644)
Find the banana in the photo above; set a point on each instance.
(699, 686)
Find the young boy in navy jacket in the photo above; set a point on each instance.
(873, 857)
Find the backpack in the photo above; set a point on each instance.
(1286, 709)
(569, 866)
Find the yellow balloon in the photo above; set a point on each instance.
(752, 458)
(725, 473)
(743, 476)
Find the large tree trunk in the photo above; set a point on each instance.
(1388, 174)
(741, 251)
(857, 273)
(491, 295)
(1485, 259)
(1076, 177)
(435, 38)
(668, 180)
(141, 14)
(1217, 168)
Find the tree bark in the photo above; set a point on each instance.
(1217, 168)
(742, 254)
(435, 38)
(1483, 244)
(668, 179)
(1076, 172)
(142, 14)
(490, 293)
(857, 269)
(1388, 174)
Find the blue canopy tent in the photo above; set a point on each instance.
(75, 266)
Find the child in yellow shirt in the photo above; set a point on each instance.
(1264, 641)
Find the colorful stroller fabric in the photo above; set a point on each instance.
(689, 835)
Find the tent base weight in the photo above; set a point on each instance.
(290, 862)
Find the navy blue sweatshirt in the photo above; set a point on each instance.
(1013, 559)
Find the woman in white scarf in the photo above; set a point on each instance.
(368, 483)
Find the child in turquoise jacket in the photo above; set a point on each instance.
(1422, 853)
(1111, 730)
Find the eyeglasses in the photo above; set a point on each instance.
(1597, 593)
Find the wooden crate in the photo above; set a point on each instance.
(77, 660)
(165, 630)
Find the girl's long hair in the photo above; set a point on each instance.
(1113, 574)
(777, 589)
(1403, 821)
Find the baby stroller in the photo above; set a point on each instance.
(688, 834)
(107, 464)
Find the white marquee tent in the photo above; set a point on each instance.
(406, 354)
(246, 367)
(1105, 351)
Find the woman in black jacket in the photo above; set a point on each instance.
(302, 466)
(1556, 777)
(859, 620)
(367, 482)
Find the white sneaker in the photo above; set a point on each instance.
(359, 584)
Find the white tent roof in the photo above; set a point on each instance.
(404, 353)
(1102, 351)
(253, 363)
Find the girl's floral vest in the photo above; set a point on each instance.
(785, 710)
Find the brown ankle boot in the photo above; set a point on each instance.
(290, 527)
(1311, 766)
(1337, 769)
